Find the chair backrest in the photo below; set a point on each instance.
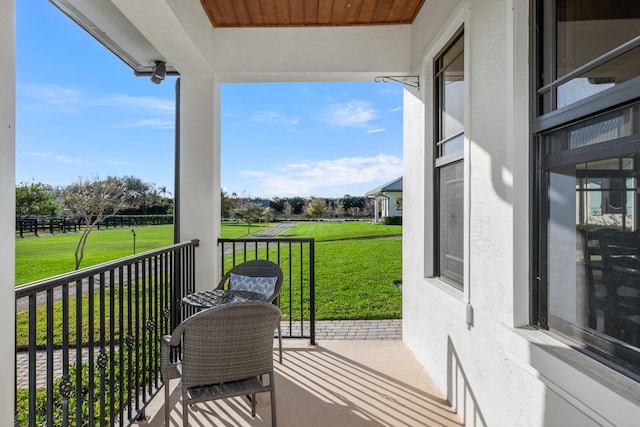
(227, 343)
(257, 275)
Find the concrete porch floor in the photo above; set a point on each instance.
(336, 383)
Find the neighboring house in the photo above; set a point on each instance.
(387, 200)
(514, 111)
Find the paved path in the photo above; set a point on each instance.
(272, 231)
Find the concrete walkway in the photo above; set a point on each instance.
(272, 231)
(337, 383)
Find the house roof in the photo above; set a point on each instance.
(391, 186)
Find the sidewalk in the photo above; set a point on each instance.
(272, 231)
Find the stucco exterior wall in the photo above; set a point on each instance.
(475, 344)
(7, 208)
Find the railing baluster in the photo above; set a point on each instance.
(91, 365)
(144, 318)
(312, 290)
(127, 345)
(105, 374)
(294, 286)
(50, 389)
(121, 345)
(112, 328)
(291, 290)
(136, 329)
(32, 360)
(102, 357)
(78, 348)
(301, 288)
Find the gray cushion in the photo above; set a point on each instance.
(262, 285)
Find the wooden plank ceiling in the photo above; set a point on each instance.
(301, 13)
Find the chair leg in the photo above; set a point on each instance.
(185, 410)
(273, 401)
(253, 405)
(280, 342)
(167, 408)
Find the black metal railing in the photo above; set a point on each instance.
(88, 342)
(63, 225)
(296, 258)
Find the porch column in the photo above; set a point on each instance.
(200, 173)
(7, 208)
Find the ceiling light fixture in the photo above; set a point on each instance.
(159, 72)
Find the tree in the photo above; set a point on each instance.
(35, 199)
(287, 209)
(268, 215)
(298, 204)
(248, 212)
(95, 200)
(140, 192)
(226, 205)
(164, 191)
(317, 207)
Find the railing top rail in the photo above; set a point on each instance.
(62, 279)
(270, 239)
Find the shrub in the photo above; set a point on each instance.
(392, 220)
(112, 387)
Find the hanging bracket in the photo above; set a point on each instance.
(413, 81)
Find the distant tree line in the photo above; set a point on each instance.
(91, 201)
(254, 209)
(37, 199)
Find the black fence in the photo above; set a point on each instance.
(296, 258)
(36, 226)
(88, 342)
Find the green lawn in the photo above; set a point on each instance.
(50, 255)
(47, 255)
(323, 231)
(354, 270)
(354, 279)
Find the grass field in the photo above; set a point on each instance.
(323, 231)
(356, 262)
(50, 255)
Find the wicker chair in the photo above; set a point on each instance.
(257, 269)
(227, 351)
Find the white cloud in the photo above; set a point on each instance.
(326, 177)
(393, 110)
(149, 123)
(274, 118)
(57, 157)
(48, 97)
(376, 130)
(147, 103)
(353, 113)
(119, 163)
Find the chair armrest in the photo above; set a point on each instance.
(222, 281)
(168, 368)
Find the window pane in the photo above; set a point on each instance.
(451, 222)
(594, 249)
(450, 100)
(587, 29)
(577, 33)
(452, 146)
(608, 75)
(453, 98)
(616, 124)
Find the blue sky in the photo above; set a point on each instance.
(81, 112)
